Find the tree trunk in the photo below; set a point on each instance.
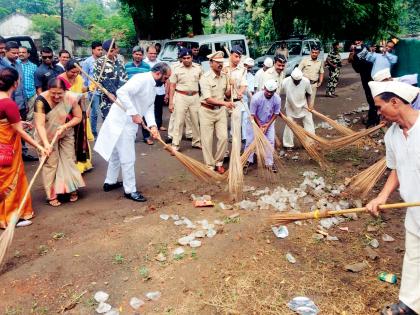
(282, 18)
(197, 25)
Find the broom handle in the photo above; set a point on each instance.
(381, 207)
(100, 73)
(41, 164)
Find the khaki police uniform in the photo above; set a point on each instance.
(213, 118)
(272, 74)
(186, 100)
(312, 69)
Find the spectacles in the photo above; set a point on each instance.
(47, 57)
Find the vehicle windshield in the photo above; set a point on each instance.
(294, 47)
(170, 51)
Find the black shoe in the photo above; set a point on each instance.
(29, 158)
(168, 140)
(135, 196)
(109, 187)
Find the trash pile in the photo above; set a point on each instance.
(107, 309)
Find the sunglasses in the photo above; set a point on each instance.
(47, 57)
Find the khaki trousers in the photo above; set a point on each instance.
(186, 104)
(213, 120)
(188, 128)
(308, 124)
(313, 95)
(410, 278)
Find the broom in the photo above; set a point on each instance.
(308, 144)
(195, 167)
(364, 182)
(340, 128)
(286, 218)
(6, 237)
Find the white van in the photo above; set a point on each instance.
(207, 44)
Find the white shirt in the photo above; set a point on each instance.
(403, 155)
(138, 98)
(160, 90)
(258, 79)
(272, 74)
(296, 96)
(250, 79)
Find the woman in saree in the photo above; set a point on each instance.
(57, 111)
(83, 133)
(13, 182)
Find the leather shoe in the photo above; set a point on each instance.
(135, 196)
(29, 158)
(109, 187)
(220, 169)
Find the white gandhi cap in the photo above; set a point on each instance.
(271, 85)
(405, 91)
(382, 75)
(268, 62)
(297, 74)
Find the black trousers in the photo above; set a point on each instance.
(159, 103)
(373, 117)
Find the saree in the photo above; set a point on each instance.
(60, 174)
(83, 132)
(13, 182)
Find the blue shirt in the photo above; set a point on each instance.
(19, 94)
(381, 61)
(29, 69)
(87, 67)
(132, 69)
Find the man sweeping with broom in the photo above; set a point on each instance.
(117, 136)
(402, 142)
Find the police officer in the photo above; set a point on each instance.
(214, 88)
(183, 96)
(313, 69)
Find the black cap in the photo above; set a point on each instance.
(237, 49)
(185, 52)
(106, 45)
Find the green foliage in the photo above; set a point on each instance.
(88, 13)
(410, 17)
(47, 26)
(118, 259)
(28, 7)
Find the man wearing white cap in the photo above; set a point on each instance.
(298, 96)
(250, 90)
(265, 108)
(411, 79)
(268, 63)
(276, 72)
(212, 113)
(402, 142)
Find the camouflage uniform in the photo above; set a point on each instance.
(335, 58)
(113, 77)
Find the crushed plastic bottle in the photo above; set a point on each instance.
(101, 296)
(303, 306)
(290, 258)
(281, 231)
(154, 296)
(103, 308)
(136, 303)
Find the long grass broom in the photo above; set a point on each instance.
(197, 168)
(309, 145)
(340, 128)
(361, 184)
(6, 237)
(287, 218)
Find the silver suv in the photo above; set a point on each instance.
(298, 48)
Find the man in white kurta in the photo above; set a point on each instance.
(402, 140)
(298, 94)
(117, 137)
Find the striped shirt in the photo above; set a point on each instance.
(28, 69)
(132, 69)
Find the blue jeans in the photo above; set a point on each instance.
(94, 112)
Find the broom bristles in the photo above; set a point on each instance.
(361, 184)
(340, 128)
(308, 144)
(236, 176)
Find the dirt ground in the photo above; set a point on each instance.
(106, 242)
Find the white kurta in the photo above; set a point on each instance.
(138, 97)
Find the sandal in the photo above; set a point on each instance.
(398, 309)
(74, 196)
(54, 202)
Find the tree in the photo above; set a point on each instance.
(47, 26)
(410, 18)
(88, 13)
(28, 7)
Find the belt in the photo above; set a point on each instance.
(313, 81)
(236, 99)
(188, 93)
(211, 107)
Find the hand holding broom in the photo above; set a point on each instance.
(286, 218)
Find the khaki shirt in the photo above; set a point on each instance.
(311, 69)
(213, 86)
(239, 75)
(272, 74)
(186, 78)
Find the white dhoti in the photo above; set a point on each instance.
(410, 279)
(308, 124)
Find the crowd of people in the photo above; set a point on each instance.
(54, 107)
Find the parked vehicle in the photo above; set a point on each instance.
(298, 48)
(28, 42)
(207, 45)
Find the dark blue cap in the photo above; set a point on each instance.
(237, 49)
(185, 52)
(106, 45)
